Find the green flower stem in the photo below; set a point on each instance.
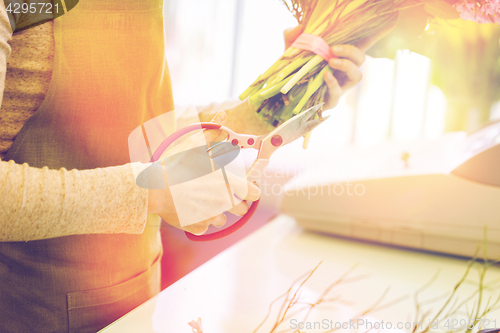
(313, 28)
(316, 60)
(251, 91)
(352, 5)
(258, 98)
(316, 30)
(300, 105)
(294, 97)
(285, 72)
(270, 81)
(313, 85)
(274, 68)
(257, 92)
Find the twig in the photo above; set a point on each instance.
(271, 305)
(330, 287)
(291, 301)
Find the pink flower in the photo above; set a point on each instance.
(486, 11)
(196, 326)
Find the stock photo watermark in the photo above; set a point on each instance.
(364, 325)
(313, 190)
(35, 12)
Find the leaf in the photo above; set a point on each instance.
(441, 9)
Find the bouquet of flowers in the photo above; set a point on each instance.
(295, 82)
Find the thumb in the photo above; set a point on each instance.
(212, 135)
(220, 118)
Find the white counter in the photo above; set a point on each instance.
(232, 292)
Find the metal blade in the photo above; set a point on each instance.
(293, 126)
(222, 148)
(307, 127)
(290, 130)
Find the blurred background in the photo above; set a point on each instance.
(446, 80)
(216, 48)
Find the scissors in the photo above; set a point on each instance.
(266, 145)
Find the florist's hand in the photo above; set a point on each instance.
(207, 198)
(346, 72)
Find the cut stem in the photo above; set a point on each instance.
(257, 99)
(307, 137)
(290, 69)
(311, 89)
(316, 60)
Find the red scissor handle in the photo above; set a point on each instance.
(179, 133)
(229, 230)
(236, 225)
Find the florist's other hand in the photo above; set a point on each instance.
(346, 72)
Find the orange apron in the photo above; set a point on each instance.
(110, 75)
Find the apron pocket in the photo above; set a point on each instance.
(92, 310)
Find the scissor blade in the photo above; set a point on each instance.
(292, 128)
(222, 148)
(305, 128)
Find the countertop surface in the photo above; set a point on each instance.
(233, 291)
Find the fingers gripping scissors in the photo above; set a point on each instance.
(266, 145)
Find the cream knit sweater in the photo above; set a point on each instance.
(42, 203)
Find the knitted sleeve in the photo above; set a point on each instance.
(42, 203)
